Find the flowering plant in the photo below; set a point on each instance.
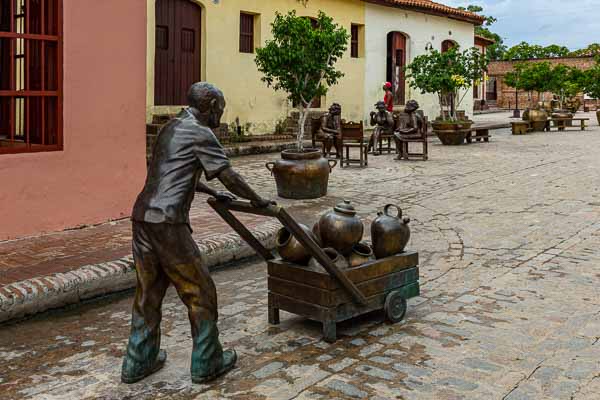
(447, 74)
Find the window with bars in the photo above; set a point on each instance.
(246, 33)
(354, 40)
(30, 76)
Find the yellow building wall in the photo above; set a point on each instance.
(248, 98)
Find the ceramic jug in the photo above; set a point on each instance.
(340, 228)
(389, 233)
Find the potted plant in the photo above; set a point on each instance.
(591, 84)
(449, 75)
(300, 60)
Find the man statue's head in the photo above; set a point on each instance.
(411, 106)
(208, 102)
(381, 107)
(335, 109)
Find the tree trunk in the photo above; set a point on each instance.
(301, 125)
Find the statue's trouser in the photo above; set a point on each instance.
(374, 142)
(165, 254)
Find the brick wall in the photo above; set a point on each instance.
(506, 94)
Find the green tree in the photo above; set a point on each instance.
(566, 82)
(526, 51)
(591, 50)
(591, 81)
(495, 51)
(447, 74)
(532, 76)
(300, 60)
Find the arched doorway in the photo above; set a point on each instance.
(396, 61)
(448, 44)
(178, 50)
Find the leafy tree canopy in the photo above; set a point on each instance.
(591, 80)
(300, 59)
(526, 51)
(592, 50)
(495, 51)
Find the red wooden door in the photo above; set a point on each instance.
(178, 44)
(396, 61)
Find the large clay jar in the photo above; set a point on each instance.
(340, 228)
(301, 175)
(539, 119)
(390, 233)
(334, 256)
(361, 253)
(290, 249)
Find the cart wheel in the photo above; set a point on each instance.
(395, 307)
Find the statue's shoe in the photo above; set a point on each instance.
(224, 365)
(161, 358)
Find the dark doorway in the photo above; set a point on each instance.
(396, 61)
(178, 50)
(447, 45)
(492, 89)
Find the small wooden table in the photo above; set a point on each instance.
(479, 133)
(563, 123)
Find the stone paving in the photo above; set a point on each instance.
(508, 234)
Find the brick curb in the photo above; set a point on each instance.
(43, 293)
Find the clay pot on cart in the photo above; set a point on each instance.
(334, 256)
(361, 254)
(290, 249)
(452, 133)
(390, 233)
(340, 228)
(301, 175)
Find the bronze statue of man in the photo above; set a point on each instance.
(383, 120)
(330, 131)
(410, 127)
(163, 249)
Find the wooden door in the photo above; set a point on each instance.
(396, 61)
(178, 50)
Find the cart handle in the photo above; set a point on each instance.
(224, 209)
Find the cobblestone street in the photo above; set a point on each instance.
(508, 234)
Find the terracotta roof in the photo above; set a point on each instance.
(484, 40)
(431, 7)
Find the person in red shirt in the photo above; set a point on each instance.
(388, 99)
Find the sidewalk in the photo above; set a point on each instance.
(57, 269)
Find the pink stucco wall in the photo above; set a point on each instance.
(102, 167)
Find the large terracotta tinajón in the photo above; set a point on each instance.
(301, 175)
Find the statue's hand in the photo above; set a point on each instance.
(263, 203)
(225, 196)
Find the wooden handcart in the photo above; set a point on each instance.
(333, 295)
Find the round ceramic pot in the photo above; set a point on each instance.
(334, 256)
(301, 175)
(361, 253)
(539, 119)
(340, 228)
(390, 233)
(290, 249)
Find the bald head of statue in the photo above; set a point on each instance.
(207, 103)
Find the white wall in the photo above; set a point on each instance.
(420, 29)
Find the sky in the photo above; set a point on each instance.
(571, 23)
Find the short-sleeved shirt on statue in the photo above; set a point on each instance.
(183, 151)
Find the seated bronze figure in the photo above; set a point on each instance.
(410, 127)
(383, 121)
(163, 248)
(330, 132)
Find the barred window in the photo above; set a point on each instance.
(246, 33)
(30, 76)
(354, 41)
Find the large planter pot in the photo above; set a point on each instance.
(301, 175)
(452, 133)
(539, 119)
